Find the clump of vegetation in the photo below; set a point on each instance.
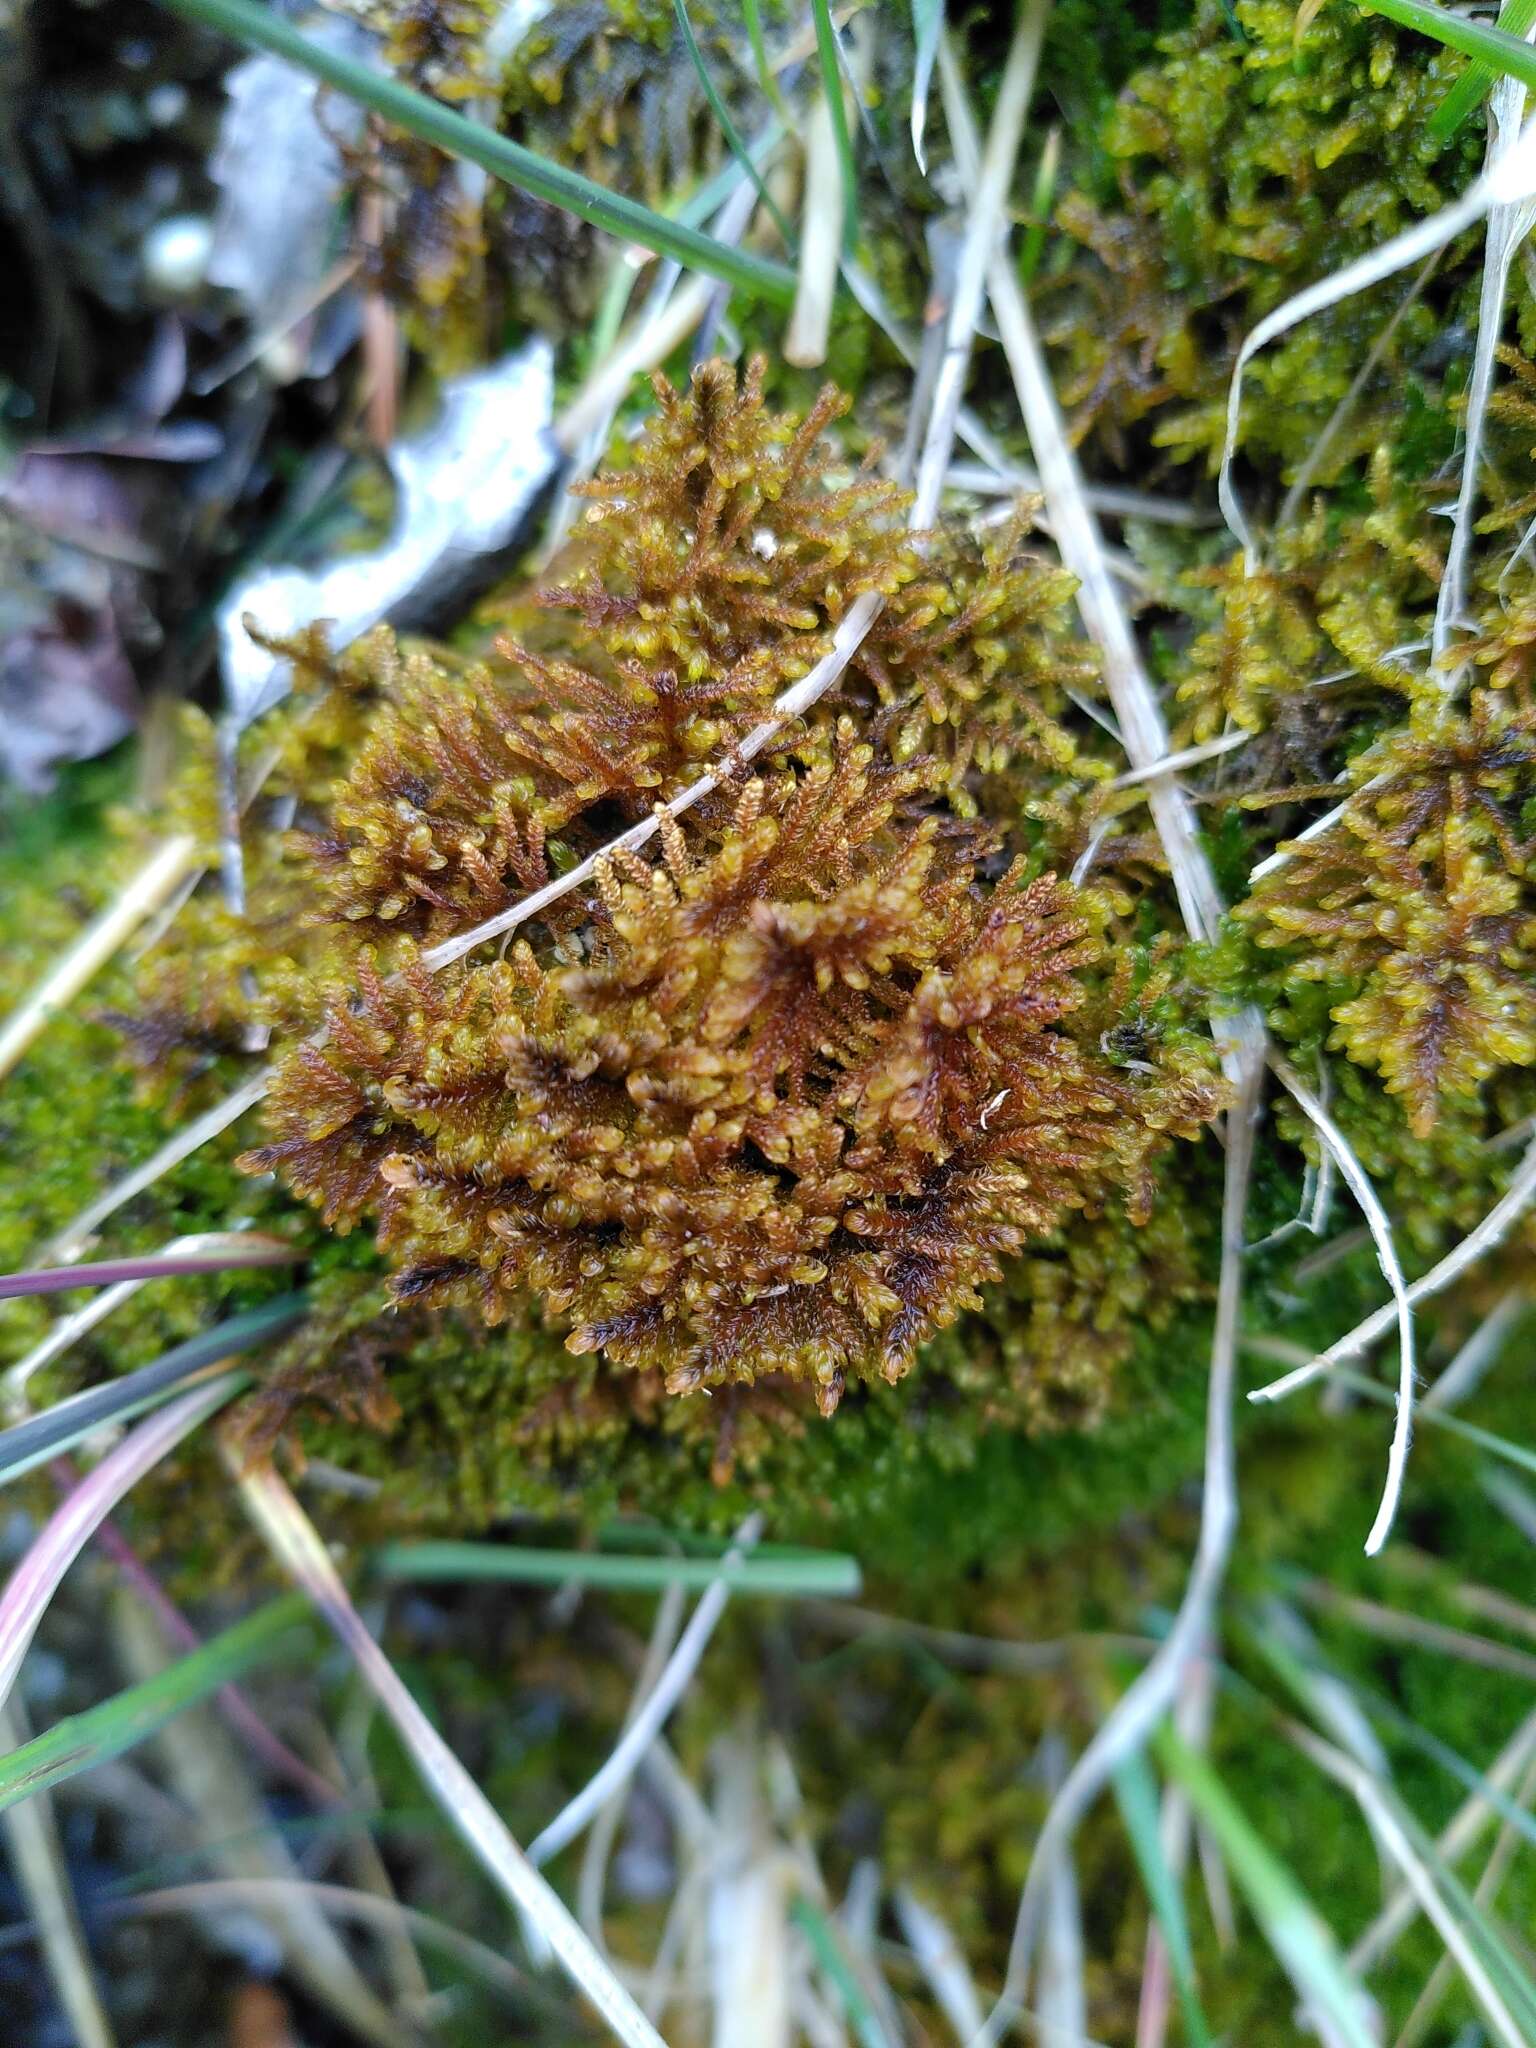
(780, 1105)
(1243, 163)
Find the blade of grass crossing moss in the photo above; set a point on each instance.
(1136, 1793)
(433, 122)
(726, 125)
(832, 87)
(809, 1575)
(130, 1717)
(68, 1421)
(1472, 88)
(66, 1532)
(1301, 1939)
(297, 1545)
(1502, 52)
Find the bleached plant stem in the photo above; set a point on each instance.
(1290, 508)
(67, 1531)
(1153, 1692)
(1509, 223)
(1491, 1232)
(1506, 181)
(95, 946)
(1382, 1815)
(651, 1715)
(594, 1862)
(1481, 1350)
(985, 222)
(942, 1961)
(1471, 1818)
(1186, 757)
(41, 1872)
(295, 1541)
(72, 1239)
(645, 345)
(1386, 1253)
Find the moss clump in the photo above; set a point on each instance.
(1248, 162)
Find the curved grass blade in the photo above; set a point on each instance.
(1300, 1937)
(1500, 51)
(1136, 1793)
(296, 1543)
(70, 1527)
(133, 1715)
(264, 29)
(927, 27)
(787, 1575)
(42, 1436)
(727, 126)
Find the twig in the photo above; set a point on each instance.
(1481, 1350)
(96, 945)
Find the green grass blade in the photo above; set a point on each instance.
(818, 1930)
(788, 1575)
(832, 87)
(727, 126)
(1136, 1791)
(75, 1744)
(66, 1422)
(263, 29)
(753, 15)
(1296, 1931)
(1501, 51)
(1471, 89)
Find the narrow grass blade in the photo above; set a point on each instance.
(1136, 1792)
(260, 1251)
(295, 1541)
(131, 1716)
(808, 1574)
(265, 29)
(35, 1580)
(41, 1870)
(832, 87)
(820, 1933)
(753, 16)
(1503, 53)
(651, 1715)
(65, 1423)
(727, 126)
(1472, 88)
(1296, 1931)
(96, 945)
